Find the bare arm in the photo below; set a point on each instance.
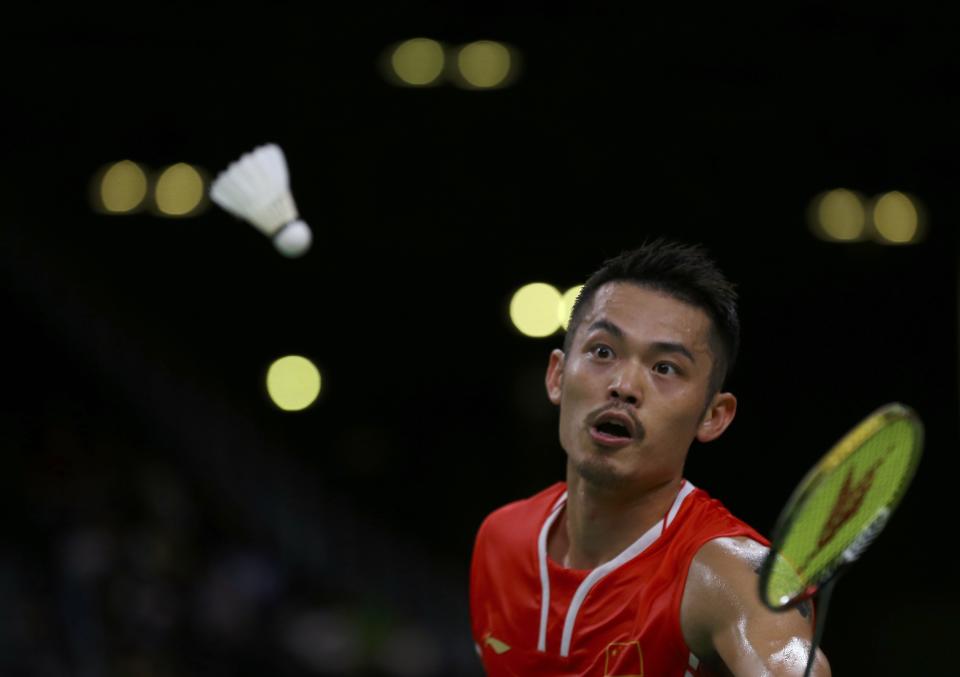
(726, 624)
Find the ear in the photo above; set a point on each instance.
(554, 380)
(719, 414)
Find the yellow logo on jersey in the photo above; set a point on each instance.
(623, 659)
(495, 644)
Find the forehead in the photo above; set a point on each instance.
(648, 313)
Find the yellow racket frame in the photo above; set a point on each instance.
(841, 505)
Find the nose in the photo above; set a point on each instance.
(626, 387)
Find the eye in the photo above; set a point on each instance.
(602, 351)
(666, 368)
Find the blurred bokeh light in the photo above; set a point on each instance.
(120, 188)
(417, 62)
(566, 305)
(293, 382)
(896, 218)
(485, 64)
(179, 190)
(838, 215)
(533, 309)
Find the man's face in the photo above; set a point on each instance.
(633, 388)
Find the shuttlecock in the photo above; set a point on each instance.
(256, 188)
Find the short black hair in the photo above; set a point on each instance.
(684, 271)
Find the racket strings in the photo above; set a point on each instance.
(843, 504)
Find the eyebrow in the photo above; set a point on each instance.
(658, 346)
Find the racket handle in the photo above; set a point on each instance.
(822, 602)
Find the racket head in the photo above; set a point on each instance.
(841, 505)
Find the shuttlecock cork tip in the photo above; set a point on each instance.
(256, 188)
(294, 239)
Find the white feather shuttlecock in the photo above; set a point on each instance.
(256, 188)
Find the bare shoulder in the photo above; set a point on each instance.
(732, 553)
(725, 623)
(720, 574)
(729, 569)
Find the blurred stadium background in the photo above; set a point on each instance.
(163, 518)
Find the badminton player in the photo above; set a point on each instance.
(626, 568)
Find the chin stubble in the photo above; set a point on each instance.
(598, 471)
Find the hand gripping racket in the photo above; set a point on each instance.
(838, 509)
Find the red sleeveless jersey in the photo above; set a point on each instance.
(531, 616)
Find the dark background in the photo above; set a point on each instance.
(161, 518)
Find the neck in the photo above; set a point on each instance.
(598, 524)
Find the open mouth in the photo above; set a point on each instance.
(611, 434)
(611, 429)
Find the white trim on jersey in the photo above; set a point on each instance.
(544, 574)
(594, 576)
(685, 491)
